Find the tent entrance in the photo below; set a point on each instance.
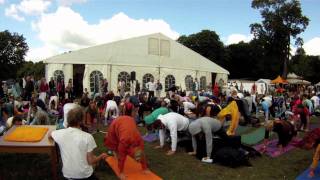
(78, 72)
(213, 78)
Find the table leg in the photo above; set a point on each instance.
(54, 166)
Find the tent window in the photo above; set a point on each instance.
(169, 82)
(95, 79)
(165, 48)
(153, 46)
(147, 78)
(58, 75)
(203, 83)
(189, 82)
(126, 77)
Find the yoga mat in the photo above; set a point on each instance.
(253, 137)
(132, 169)
(304, 175)
(242, 129)
(273, 151)
(150, 137)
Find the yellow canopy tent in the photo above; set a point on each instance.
(279, 80)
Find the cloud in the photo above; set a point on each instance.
(27, 7)
(68, 30)
(70, 2)
(37, 54)
(2, 1)
(311, 47)
(236, 38)
(12, 11)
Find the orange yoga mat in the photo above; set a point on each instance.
(26, 134)
(132, 169)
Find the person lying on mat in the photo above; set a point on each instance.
(174, 122)
(124, 138)
(76, 147)
(208, 127)
(284, 129)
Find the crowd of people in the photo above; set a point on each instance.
(199, 116)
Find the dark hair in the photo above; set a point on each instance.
(75, 116)
(157, 124)
(16, 119)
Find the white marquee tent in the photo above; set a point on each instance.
(152, 56)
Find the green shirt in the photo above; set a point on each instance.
(154, 115)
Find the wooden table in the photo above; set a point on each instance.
(46, 146)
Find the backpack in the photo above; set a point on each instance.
(232, 157)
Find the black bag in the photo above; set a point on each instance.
(232, 157)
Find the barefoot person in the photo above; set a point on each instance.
(124, 139)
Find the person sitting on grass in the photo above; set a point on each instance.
(285, 131)
(76, 148)
(174, 122)
(124, 138)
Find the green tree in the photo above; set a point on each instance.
(13, 49)
(208, 44)
(29, 68)
(282, 20)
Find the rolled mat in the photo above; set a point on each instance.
(273, 151)
(132, 169)
(304, 175)
(253, 137)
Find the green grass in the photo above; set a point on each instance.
(180, 166)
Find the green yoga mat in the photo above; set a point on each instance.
(242, 129)
(253, 137)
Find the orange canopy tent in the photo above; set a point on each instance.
(279, 80)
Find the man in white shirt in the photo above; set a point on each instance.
(315, 100)
(174, 122)
(76, 148)
(112, 110)
(151, 87)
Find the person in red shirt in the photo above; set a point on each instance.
(124, 138)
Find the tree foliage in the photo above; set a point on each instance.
(35, 69)
(282, 19)
(13, 48)
(208, 44)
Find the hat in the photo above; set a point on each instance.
(167, 101)
(194, 128)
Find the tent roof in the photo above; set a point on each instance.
(279, 80)
(293, 76)
(267, 81)
(134, 51)
(298, 81)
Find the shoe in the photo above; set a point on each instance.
(207, 160)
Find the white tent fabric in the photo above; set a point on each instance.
(298, 81)
(293, 76)
(170, 57)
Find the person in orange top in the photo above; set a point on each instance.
(124, 138)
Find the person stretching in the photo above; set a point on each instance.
(124, 138)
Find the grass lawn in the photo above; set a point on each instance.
(180, 166)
